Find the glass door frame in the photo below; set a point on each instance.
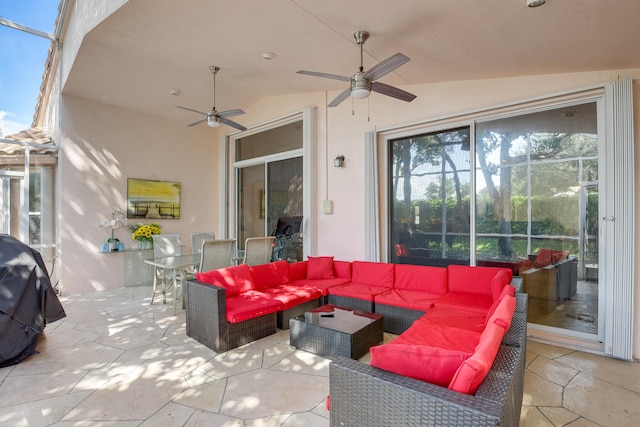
(228, 211)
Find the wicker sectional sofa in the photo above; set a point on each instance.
(441, 314)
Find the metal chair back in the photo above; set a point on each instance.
(217, 254)
(198, 238)
(258, 250)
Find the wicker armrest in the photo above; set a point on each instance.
(207, 319)
(362, 395)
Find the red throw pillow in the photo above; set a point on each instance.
(543, 258)
(320, 268)
(431, 364)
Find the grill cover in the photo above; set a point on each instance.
(27, 300)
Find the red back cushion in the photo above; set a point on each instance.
(270, 274)
(502, 315)
(473, 280)
(320, 268)
(472, 371)
(298, 270)
(235, 280)
(421, 278)
(343, 269)
(373, 273)
(432, 364)
(499, 281)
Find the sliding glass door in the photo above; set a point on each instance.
(528, 202)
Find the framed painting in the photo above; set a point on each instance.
(148, 199)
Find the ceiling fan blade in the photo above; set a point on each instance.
(325, 75)
(385, 67)
(394, 92)
(231, 123)
(338, 99)
(190, 109)
(197, 122)
(231, 113)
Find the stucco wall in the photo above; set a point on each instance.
(101, 147)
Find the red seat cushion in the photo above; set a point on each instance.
(478, 304)
(320, 268)
(431, 364)
(411, 300)
(457, 318)
(291, 295)
(251, 304)
(235, 280)
(442, 336)
(322, 285)
(357, 290)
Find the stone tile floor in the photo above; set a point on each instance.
(116, 360)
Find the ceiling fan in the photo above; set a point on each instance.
(214, 118)
(362, 83)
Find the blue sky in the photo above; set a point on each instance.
(22, 58)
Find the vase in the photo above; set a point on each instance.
(146, 244)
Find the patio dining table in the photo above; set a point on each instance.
(180, 263)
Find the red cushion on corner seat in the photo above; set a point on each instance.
(320, 268)
(235, 280)
(270, 274)
(499, 281)
(251, 304)
(478, 304)
(431, 364)
(411, 300)
(456, 318)
(442, 336)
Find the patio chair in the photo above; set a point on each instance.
(258, 250)
(197, 238)
(165, 245)
(216, 254)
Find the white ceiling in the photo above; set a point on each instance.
(136, 57)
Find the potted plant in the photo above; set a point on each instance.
(144, 233)
(117, 220)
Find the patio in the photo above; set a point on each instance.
(115, 360)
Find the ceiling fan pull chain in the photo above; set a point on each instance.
(368, 109)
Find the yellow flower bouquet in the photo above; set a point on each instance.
(143, 233)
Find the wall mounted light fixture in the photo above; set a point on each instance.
(339, 161)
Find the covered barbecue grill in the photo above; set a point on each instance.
(27, 300)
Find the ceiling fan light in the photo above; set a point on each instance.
(360, 93)
(213, 122)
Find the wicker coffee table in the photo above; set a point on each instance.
(336, 331)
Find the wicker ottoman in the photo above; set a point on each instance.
(336, 331)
